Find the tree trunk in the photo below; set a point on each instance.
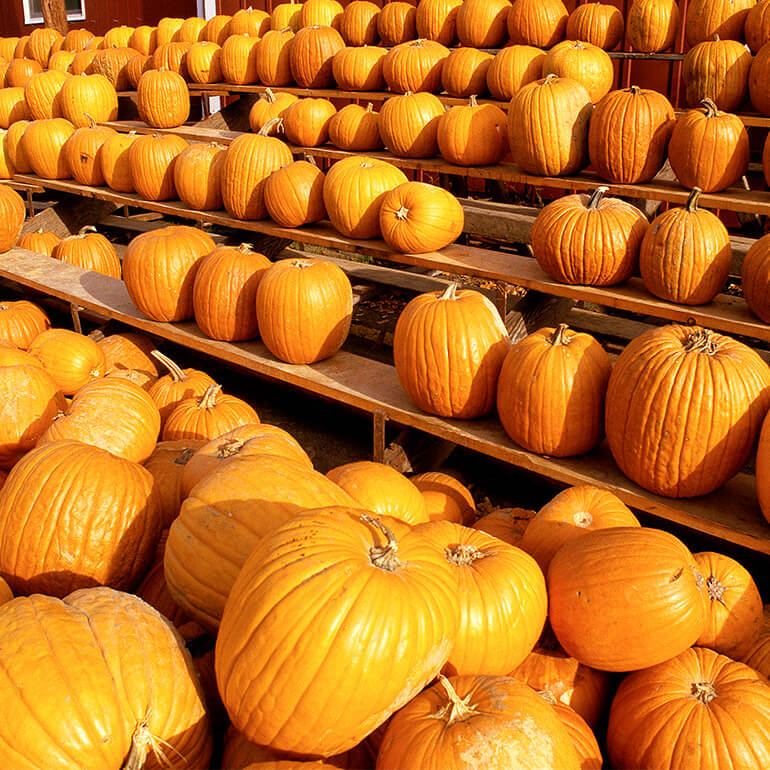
(55, 15)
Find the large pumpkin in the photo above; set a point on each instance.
(721, 18)
(719, 70)
(198, 176)
(358, 24)
(539, 23)
(675, 382)
(651, 25)
(311, 55)
(294, 194)
(448, 349)
(176, 386)
(598, 23)
(396, 23)
(74, 516)
(588, 64)
(512, 68)
(70, 358)
(22, 321)
(651, 610)
(359, 69)
(399, 595)
(592, 240)
(483, 23)
(415, 66)
(162, 99)
(699, 709)
(43, 144)
(12, 214)
(550, 395)
(272, 62)
(88, 94)
(239, 59)
(409, 125)
(81, 153)
(152, 158)
(473, 135)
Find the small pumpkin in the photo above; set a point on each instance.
(409, 124)
(415, 66)
(597, 23)
(162, 99)
(437, 20)
(39, 241)
(306, 122)
(358, 24)
(311, 55)
(152, 158)
(651, 25)
(191, 30)
(89, 250)
(267, 107)
(81, 153)
(198, 176)
(43, 144)
(21, 321)
(61, 60)
(239, 59)
(273, 58)
(294, 194)
(473, 135)
(719, 70)
(539, 23)
(359, 69)
(465, 72)
(356, 128)
(176, 386)
(446, 498)
(118, 37)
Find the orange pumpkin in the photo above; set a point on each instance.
(539, 23)
(465, 72)
(396, 23)
(89, 250)
(294, 194)
(162, 99)
(286, 15)
(758, 655)
(128, 350)
(415, 66)
(272, 62)
(151, 159)
(755, 275)
(581, 735)
(306, 122)
(409, 125)
(77, 39)
(42, 94)
(40, 242)
(22, 321)
(757, 26)
(176, 386)
(311, 55)
(437, 20)
(473, 135)
(719, 70)
(483, 23)
(651, 25)
(81, 153)
(506, 524)
(88, 94)
(198, 176)
(115, 164)
(359, 69)
(721, 18)
(12, 213)
(144, 39)
(597, 23)
(239, 59)
(588, 64)
(173, 57)
(321, 12)
(70, 358)
(358, 23)
(356, 128)
(13, 107)
(19, 71)
(446, 498)
(512, 68)
(112, 63)
(249, 21)
(43, 144)
(14, 149)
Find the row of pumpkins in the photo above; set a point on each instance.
(361, 616)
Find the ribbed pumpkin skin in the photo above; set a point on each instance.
(397, 23)
(159, 269)
(128, 350)
(483, 23)
(304, 310)
(113, 414)
(509, 726)
(162, 99)
(81, 154)
(725, 18)
(415, 66)
(70, 358)
(465, 72)
(311, 55)
(14, 149)
(42, 42)
(42, 94)
(354, 189)
(198, 176)
(539, 23)
(111, 62)
(153, 591)
(755, 278)
(758, 75)
(294, 194)
(225, 293)
(272, 58)
(92, 94)
(596, 23)
(359, 69)
(506, 524)
(358, 25)
(144, 39)
(90, 251)
(7, 170)
(685, 256)
(719, 70)
(81, 64)
(267, 107)
(75, 516)
(679, 381)
(734, 615)
(118, 674)
(501, 597)
(571, 514)
(286, 15)
(550, 395)
(235, 507)
(757, 27)
(356, 128)
(40, 242)
(651, 25)
(448, 349)
(665, 717)
(581, 735)
(653, 609)
(321, 12)
(629, 135)
(250, 21)
(411, 608)
(114, 161)
(249, 162)
(19, 71)
(204, 62)
(306, 122)
(595, 241)
(173, 57)
(586, 63)
(512, 68)
(548, 126)
(151, 159)
(12, 214)
(22, 321)
(13, 107)
(77, 39)
(381, 489)
(43, 143)
(409, 125)
(239, 59)
(61, 60)
(446, 498)
(709, 149)
(473, 135)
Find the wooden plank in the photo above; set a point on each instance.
(68, 216)
(731, 513)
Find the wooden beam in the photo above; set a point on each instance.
(68, 216)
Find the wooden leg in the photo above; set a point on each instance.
(378, 431)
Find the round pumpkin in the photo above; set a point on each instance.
(43, 143)
(20, 71)
(512, 68)
(448, 349)
(356, 128)
(321, 12)
(306, 122)
(172, 57)
(396, 23)
(12, 213)
(597, 23)
(176, 386)
(14, 148)
(415, 66)
(7, 171)
(239, 59)
(198, 176)
(652, 406)
(144, 39)
(437, 20)
(136, 67)
(286, 15)
(304, 309)
(167, 29)
(465, 72)
(77, 39)
(22, 321)
(117, 37)
(273, 58)
(581, 735)
(473, 135)
(358, 24)
(588, 64)
(483, 23)
(685, 256)
(651, 25)
(539, 23)
(409, 124)
(88, 94)
(111, 62)
(115, 164)
(506, 524)
(757, 26)
(294, 194)
(709, 18)
(61, 60)
(719, 70)
(40, 242)
(127, 350)
(268, 107)
(42, 94)
(250, 21)
(311, 55)
(13, 107)
(359, 69)
(191, 30)
(446, 498)
(152, 158)
(81, 153)
(162, 99)
(89, 250)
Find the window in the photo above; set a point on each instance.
(33, 10)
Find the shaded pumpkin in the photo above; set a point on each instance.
(39, 241)
(198, 176)
(651, 25)
(465, 72)
(483, 23)
(81, 153)
(719, 70)
(359, 69)
(415, 66)
(111, 62)
(446, 498)
(757, 26)
(709, 18)
(396, 23)
(14, 148)
(755, 278)
(127, 350)
(321, 12)
(758, 654)
(311, 55)
(600, 24)
(151, 159)
(306, 121)
(88, 94)
(238, 59)
(176, 386)
(356, 128)
(358, 24)
(115, 164)
(42, 94)
(13, 107)
(19, 71)
(539, 23)
(506, 524)
(294, 194)
(12, 214)
(286, 15)
(272, 63)
(588, 64)
(473, 135)
(89, 250)
(513, 67)
(267, 107)
(583, 738)
(409, 124)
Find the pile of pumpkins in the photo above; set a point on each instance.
(179, 565)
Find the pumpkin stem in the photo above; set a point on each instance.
(701, 341)
(84, 231)
(450, 292)
(549, 78)
(184, 456)
(458, 709)
(582, 519)
(559, 336)
(383, 556)
(142, 742)
(692, 200)
(310, 159)
(715, 589)
(265, 130)
(245, 248)
(97, 335)
(705, 692)
(463, 555)
(402, 213)
(370, 107)
(269, 95)
(635, 90)
(301, 263)
(91, 121)
(596, 197)
(711, 109)
(286, 29)
(209, 399)
(230, 447)
(177, 375)
(472, 101)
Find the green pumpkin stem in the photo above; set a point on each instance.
(559, 336)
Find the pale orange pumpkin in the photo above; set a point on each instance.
(651, 25)
(239, 59)
(42, 94)
(358, 24)
(512, 68)
(721, 70)
(91, 94)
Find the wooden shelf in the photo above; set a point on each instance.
(731, 513)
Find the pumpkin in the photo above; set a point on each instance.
(40, 241)
(596, 23)
(21, 47)
(359, 69)
(715, 706)
(144, 39)
(61, 60)
(8, 47)
(294, 194)
(591, 240)
(42, 94)
(191, 30)
(483, 23)
(375, 565)
(381, 489)
(409, 124)
(456, 721)
(42, 42)
(685, 256)
(102, 513)
(564, 680)
(304, 309)
(12, 213)
(356, 128)
(707, 18)
(719, 70)
(758, 654)
(501, 599)
(550, 395)
(272, 58)
(651, 25)
(153, 591)
(136, 67)
(647, 442)
(159, 268)
(118, 37)
(629, 134)
(11, 356)
(250, 21)
(311, 55)
(37, 400)
(176, 386)
(225, 291)
(91, 94)
(734, 614)
(22, 321)
(473, 135)
(167, 29)
(755, 278)
(198, 176)
(114, 161)
(88, 250)
(358, 23)
(20, 71)
(465, 72)
(43, 144)
(709, 148)
(656, 590)
(7, 170)
(571, 514)
(235, 506)
(415, 66)
(506, 524)
(217, 28)
(128, 352)
(548, 126)
(446, 498)
(204, 63)
(757, 26)
(81, 153)
(172, 57)
(239, 59)
(77, 39)
(353, 192)
(162, 99)
(588, 64)
(306, 122)
(327, 13)
(286, 15)
(448, 349)
(151, 159)
(539, 23)
(437, 20)
(13, 107)
(396, 23)
(14, 149)
(268, 107)
(111, 62)
(417, 218)
(581, 735)
(249, 161)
